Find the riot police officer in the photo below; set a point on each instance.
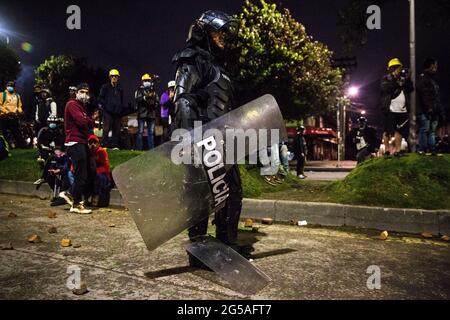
(203, 92)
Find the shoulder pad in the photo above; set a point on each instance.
(192, 53)
(187, 53)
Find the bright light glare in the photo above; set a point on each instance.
(353, 91)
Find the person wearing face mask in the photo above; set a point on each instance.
(10, 111)
(78, 126)
(45, 107)
(146, 104)
(110, 101)
(48, 137)
(365, 139)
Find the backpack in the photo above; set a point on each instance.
(4, 148)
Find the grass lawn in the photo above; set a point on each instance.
(22, 165)
(412, 181)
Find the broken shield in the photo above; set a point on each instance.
(165, 197)
(238, 272)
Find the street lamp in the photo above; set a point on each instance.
(4, 32)
(353, 91)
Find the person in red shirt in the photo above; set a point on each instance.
(102, 181)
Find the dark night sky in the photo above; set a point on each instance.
(142, 36)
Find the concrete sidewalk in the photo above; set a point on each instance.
(324, 175)
(330, 166)
(436, 222)
(303, 263)
(326, 170)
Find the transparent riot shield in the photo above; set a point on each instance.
(238, 272)
(165, 198)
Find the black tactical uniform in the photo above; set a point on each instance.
(203, 92)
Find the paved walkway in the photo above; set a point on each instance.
(347, 164)
(325, 175)
(304, 263)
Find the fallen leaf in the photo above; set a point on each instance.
(82, 290)
(66, 243)
(427, 235)
(248, 223)
(52, 214)
(52, 229)
(12, 215)
(444, 237)
(384, 235)
(34, 239)
(268, 221)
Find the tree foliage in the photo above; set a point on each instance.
(275, 55)
(60, 72)
(9, 65)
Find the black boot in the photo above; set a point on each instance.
(244, 250)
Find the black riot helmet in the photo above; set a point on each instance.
(210, 21)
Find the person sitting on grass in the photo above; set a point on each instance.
(48, 137)
(101, 184)
(55, 173)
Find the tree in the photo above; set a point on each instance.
(60, 72)
(274, 54)
(9, 65)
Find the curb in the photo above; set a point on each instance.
(321, 214)
(337, 215)
(327, 169)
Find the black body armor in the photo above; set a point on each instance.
(203, 89)
(203, 92)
